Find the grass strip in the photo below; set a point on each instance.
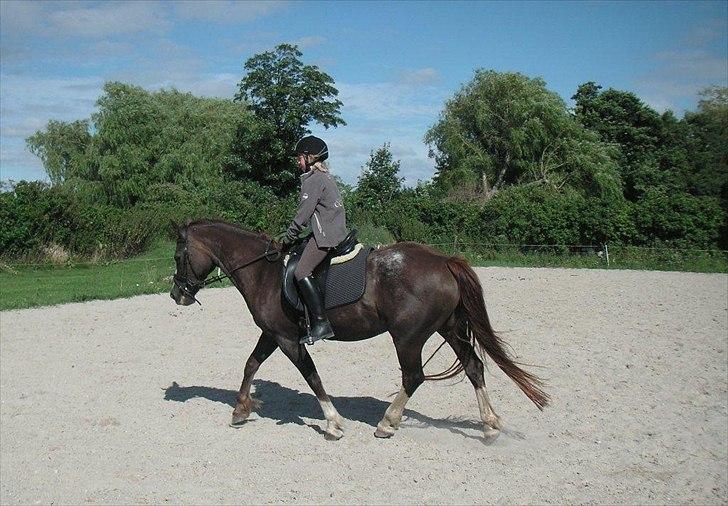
(151, 272)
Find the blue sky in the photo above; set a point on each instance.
(394, 63)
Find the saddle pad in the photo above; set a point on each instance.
(345, 283)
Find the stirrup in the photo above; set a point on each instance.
(326, 333)
(309, 339)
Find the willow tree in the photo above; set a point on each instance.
(505, 129)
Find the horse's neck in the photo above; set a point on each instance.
(233, 249)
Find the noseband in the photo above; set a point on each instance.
(189, 288)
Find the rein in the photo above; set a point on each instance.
(190, 289)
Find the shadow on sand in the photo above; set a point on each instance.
(285, 405)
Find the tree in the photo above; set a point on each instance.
(379, 182)
(62, 147)
(504, 129)
(621, 119)
(708, 150)
(285, 97)
(140, 139)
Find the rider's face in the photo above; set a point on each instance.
(301, 162)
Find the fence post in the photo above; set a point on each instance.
(606, 252)
(455, 245)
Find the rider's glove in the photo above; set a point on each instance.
(285, 239)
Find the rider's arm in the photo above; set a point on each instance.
(311, 190)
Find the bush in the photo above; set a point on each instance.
(543, 215)
(36, 218)
(677, 219)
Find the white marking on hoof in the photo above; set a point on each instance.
(487, 415)
(490, 434)
(383, 431)
(334, 421)
(333, 434)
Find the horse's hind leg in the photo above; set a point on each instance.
(245, 404)
(410, 360)
(298, 354)
(474, 370)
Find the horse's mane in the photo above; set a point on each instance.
(230, 226)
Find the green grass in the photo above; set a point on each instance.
(30, 286)
(34, 285)
(622, 257)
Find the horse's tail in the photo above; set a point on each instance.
(472, 323)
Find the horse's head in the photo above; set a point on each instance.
(194, 262)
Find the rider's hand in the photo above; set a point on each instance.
(285, 239)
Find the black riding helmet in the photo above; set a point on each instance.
(311, 145)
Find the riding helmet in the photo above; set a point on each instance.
(313, 146)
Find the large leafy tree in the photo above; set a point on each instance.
(623, 120)
(286, 97)
(671, 168)
(140, 140)
(504, 129)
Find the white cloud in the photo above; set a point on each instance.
(705, 33)
(693, 64)
(27, 104)
(386, 112)
(223, 11)
(680, 73)
(419, 77)
(351, 146)
(110, 18)
(309, 41)
(20, 18)
(389, 101)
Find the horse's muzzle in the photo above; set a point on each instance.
(179, 297)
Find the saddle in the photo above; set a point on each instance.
(341, 276)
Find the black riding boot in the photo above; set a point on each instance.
(320, 326)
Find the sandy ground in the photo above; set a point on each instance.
(129, 402)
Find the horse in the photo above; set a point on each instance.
(412, 291)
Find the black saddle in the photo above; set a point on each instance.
(341, 276)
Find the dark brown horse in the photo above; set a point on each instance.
(412, 292)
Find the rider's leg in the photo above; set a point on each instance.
(320, 326)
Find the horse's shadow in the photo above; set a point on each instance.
(286, 405)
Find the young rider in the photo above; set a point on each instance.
(321, 208)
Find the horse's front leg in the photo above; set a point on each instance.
(245, 403)
(298, 354)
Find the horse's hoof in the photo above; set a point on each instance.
(490, 434)
(383, 433)
(238, 421)
(333, 436)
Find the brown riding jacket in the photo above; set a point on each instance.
(322, 208)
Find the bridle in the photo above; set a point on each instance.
(189, 288)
